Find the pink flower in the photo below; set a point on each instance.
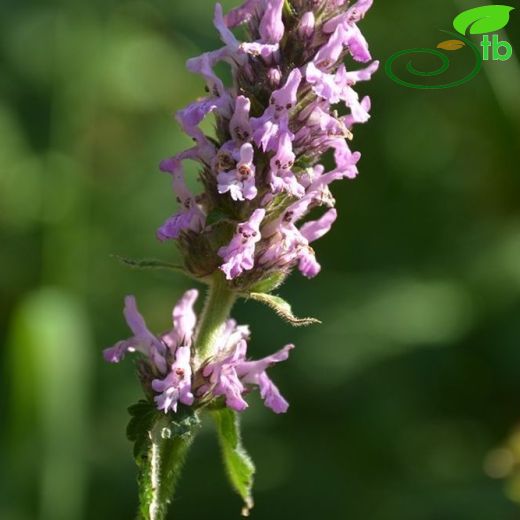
(230, 374)
(289, 245)
(307, 25)
(190, 217)
(242, 14)
(240, 182)
(238, 256)
(240, 125)
(176, 386)
(168, 356)
(281, 176)
(142, 341)
(271, 26)
(275, 120)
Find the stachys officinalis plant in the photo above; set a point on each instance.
(248, 227)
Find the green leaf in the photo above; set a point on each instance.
(481, 20)
(239, 467)
(149, 264)
(161, 442)
(283, 309)
(142, 416)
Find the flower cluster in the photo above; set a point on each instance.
(291, 101)
(166, 364)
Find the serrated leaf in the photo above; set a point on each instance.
(451, 45)
(283, 309)
(239, 466)
(482, 20)
(142, 416)
(151, 264)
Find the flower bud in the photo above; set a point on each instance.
(274, 75)
(307, 25)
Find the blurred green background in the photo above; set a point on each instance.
(404, 404)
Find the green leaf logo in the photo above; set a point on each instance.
(482, 20)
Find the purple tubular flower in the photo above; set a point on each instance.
(346, 161)
(242, 14)
(254, 373)
(176, 386)
(358, 10)
(238, 256)
(338, 87)
(269, 128)
(291, 99)
(237, 49)
(157, 350)
(315, 229)
(204, 64)
(311, 231)
(223, 378)
(329, 54)
(240, 182)
(230, 374)
(173, 226)
(289, 245)
(271, 26)
(349, 120)
(171, 349)
(282, 178)
(190, 217)
(240, 125)
(353, 15)
(324, 85)
(167, 365)
(184, 320)
(275, 76)
(285, 98)
(344, 35)
(357, 45)
(365, 74)
(142, 341)
(191, 116)
(307, 25)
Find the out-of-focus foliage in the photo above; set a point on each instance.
(402, 402)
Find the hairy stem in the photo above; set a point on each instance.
(219, 301)
(161, 466)
(160, 469)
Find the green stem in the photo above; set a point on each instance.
(288, 8)
(219, 301)
(161, 468)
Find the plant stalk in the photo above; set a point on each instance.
(160, 470)
(219, 301)
(162, 466)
